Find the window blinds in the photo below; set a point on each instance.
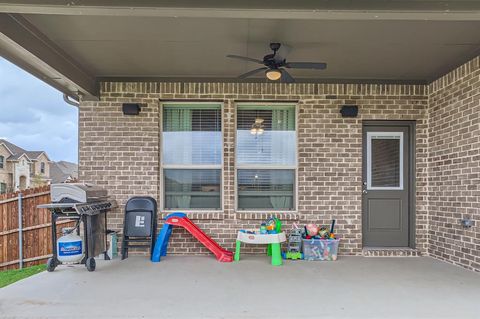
(192, 134)
(274, 144)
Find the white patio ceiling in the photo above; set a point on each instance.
(388, 41)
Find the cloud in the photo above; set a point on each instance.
(34, 116)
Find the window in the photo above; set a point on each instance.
(42, 168)
(192, 151)
(2, 161)
(384, 160)
(266, 157)
(3, 188)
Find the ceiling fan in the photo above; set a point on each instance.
(274, 65)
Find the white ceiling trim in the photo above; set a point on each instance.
(232, 13)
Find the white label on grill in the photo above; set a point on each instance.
(140, 221)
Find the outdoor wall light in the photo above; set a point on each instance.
(130, 109)
(257, 127)
(349, 111)
(273, 74)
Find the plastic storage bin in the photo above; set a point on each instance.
(320, 249)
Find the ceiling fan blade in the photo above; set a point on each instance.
(249, 73)
(306, 65)
(244, 58)
(286, 77)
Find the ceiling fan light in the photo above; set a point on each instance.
(273, 74)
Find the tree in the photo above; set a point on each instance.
(37, 180)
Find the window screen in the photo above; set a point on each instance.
(266, 189)
(192, 188)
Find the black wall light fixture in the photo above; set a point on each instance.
(131, 108)
(349, 110)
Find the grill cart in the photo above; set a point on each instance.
(88, 206)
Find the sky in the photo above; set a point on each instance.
(34, 116)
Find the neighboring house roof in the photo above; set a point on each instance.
(35, 154)
(12, 148)
(17, 151)
(16, 157)
(62, 171)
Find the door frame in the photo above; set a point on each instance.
(411, 125)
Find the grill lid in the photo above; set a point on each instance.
(76, 193)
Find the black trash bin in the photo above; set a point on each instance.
(140, 224)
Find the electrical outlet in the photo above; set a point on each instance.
(467, 222)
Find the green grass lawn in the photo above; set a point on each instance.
(8, 277)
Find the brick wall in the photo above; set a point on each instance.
(121, 152)
(454, 165)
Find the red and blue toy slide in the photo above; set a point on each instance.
(180, 219)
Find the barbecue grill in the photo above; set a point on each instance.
(88, 205)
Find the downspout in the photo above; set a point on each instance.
(75, 102)
(71, 100)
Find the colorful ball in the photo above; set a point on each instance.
(312, 230)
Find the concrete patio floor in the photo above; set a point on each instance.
(201, 287)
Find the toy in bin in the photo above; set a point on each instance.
(294, 245)
(319, 232)
(323, 245)
(311, 231)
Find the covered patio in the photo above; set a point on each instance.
(200, 287)
(409, 70)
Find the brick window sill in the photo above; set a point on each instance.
(265, 215)
(213, 215)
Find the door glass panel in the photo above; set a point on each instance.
(385, 160)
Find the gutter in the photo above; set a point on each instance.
(71, 100)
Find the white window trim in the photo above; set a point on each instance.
(266, 166)
(370, 136)
(182, 166)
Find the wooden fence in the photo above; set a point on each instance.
(36, 228)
